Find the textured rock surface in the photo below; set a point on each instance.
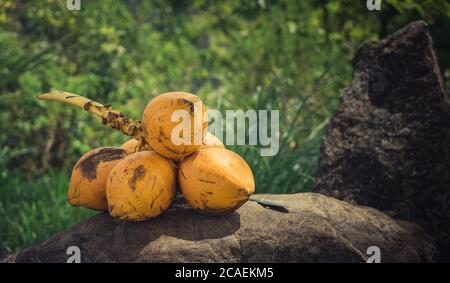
(388, 145)
(316, 229)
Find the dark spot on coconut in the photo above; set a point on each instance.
(131, 205)
(187, 102)
(169, 149)
(161, 133)
(75, 191)
(70, 96)
(182, 174)
(138, 174)
(154, 181)
(88, 165)
(206, 181)
(157, 196)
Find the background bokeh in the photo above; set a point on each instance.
(294, 56)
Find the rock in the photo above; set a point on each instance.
(316, 229)
(387, 145)
(10, 258)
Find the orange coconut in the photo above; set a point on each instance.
(215, 181)
(87, 186)
(174, 124)
(141, 186)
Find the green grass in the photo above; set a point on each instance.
(32, 211)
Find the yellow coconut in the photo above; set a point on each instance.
(133, 145)
(174, 124)
(130, 146)
(88, 181)
(141, 186)
(215, 181)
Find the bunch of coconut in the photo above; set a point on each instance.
(139, 179)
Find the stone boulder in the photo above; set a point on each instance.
(388, 144)
(316, 229)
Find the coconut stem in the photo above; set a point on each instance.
(115, 118)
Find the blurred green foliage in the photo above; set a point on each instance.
(33, 210)
(257, 54)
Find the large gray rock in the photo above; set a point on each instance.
(388, 144)
(316, 229)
